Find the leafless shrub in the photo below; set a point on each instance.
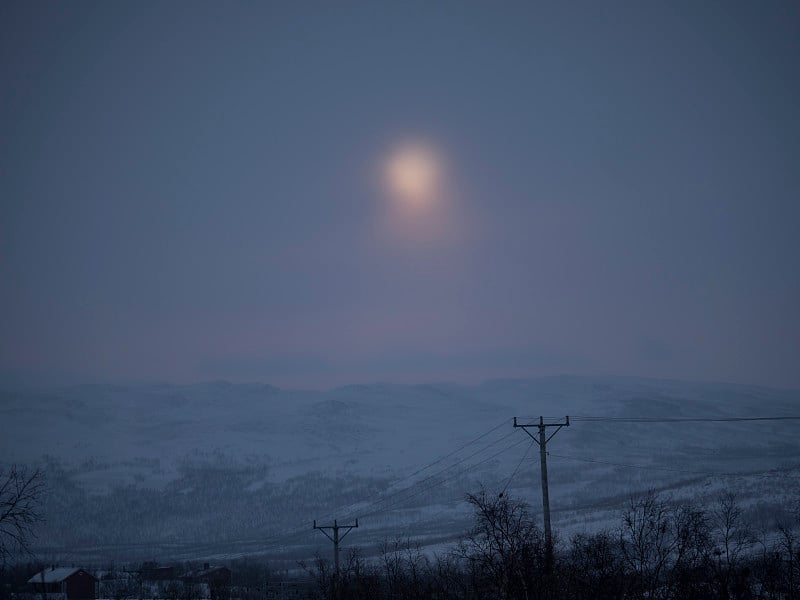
(20, 494)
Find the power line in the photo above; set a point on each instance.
(597, 419)
(372, 499)
(405, 499)
(464, 470)
(435, 483)
(401, 501)
(519, 464)
(446, 456)
(455, 464)
(445, 480)
(653, 468)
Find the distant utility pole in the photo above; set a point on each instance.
(542, 440)
(335, 538)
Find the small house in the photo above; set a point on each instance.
(70, 583)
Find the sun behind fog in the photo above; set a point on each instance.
(413, 174)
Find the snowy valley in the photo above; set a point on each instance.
(221, 470)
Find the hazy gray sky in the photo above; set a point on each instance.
(193, 191)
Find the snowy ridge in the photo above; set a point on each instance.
(224, 469)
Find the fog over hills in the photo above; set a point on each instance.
(221, 469)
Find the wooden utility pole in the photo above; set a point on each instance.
(542, 440)
(335, 538)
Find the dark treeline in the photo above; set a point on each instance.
(659, 550)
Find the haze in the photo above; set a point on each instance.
(193, 191)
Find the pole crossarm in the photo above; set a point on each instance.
(541, 423)
(334, 527)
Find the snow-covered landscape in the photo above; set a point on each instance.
(226, 470)
(399, 300)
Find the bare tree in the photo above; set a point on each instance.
(689, 563)
(788, 554)
(321, 571)
(403, 566)
(20, 494)
(647, 542)
(733, 541)
(505, 549)
(596, 568)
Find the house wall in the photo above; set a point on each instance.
(81, 586)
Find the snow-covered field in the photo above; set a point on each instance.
(224, 469)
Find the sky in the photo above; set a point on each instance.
(195, 191)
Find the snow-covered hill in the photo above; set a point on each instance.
(221, 469)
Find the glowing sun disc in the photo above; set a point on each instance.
(413, 174)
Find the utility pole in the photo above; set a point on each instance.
(336, 538)
(542, 440)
